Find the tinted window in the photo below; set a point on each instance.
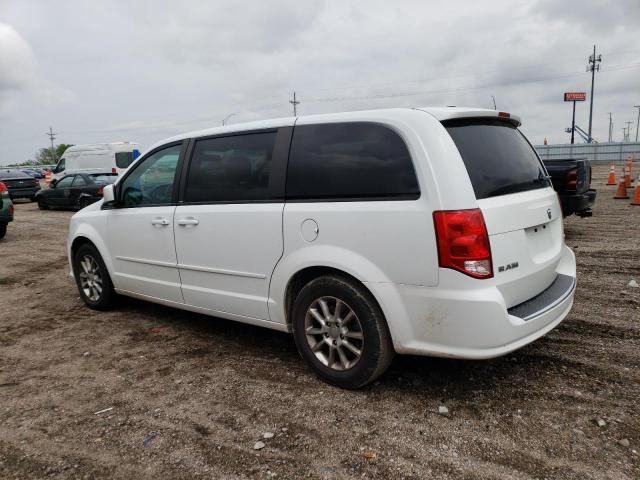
(103, 178)
(231, 168)
(79, 181)
(65, 182)
(124, 159)
(498, 158)
(349, 160)
(151, 183)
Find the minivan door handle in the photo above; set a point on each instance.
(160, 221)
(188, 221)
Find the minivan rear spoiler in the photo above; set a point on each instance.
(451, 113)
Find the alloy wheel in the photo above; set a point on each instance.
(334, 333)
(90, 278)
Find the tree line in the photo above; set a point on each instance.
(46, 156)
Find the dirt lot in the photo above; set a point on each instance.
(190, 395)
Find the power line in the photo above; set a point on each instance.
(260, 108)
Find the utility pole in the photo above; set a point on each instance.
(628, 131)
(52, 136)
(638, 122)
(592, 66)
(610, 127)
(295, 103)
(573, 122)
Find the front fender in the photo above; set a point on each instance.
(94, 233)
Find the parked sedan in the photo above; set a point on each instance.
(19, 184)
(6, 210)
(75, 190)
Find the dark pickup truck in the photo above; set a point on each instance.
(571, 178)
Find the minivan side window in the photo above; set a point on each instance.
(124, 159)
(231, 169)
(151, 183)
(342, 161)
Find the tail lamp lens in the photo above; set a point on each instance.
(99, 192)
(572, 179)
(463, 242)
(3, 187)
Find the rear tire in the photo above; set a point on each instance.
(334, 313)
(42, 204)
(3, 230)
(92, 278)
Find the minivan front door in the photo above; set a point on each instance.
(140, 231)
(228, 227)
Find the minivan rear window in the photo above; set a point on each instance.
(124, 159)
(349, 161)
(498, 158)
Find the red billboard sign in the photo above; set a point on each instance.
(575, 96)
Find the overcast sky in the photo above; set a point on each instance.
(145, 70)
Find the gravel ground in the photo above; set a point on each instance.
(189, 396)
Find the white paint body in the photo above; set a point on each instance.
(93, 158)
(236, 263)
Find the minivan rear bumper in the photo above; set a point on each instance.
(464, 319)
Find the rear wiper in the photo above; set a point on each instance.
(516, 187)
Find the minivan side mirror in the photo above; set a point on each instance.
(108, 194)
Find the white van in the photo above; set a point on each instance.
(98, 157)
(431, 231)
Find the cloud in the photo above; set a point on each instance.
(152, 68)
(17, 67)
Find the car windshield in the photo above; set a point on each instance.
(105, 178)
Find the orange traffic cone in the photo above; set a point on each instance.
(636, 193)
(612, 176)
(627, 177)
(621, 192)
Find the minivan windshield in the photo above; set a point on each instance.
(60, 166)
(498, 158)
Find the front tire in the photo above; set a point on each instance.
(3, 230)
(42, 204)
(92, 278)
(341, 332)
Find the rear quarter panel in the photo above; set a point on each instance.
(379, 241)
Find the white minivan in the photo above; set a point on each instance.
(99, 157)
(430, 231)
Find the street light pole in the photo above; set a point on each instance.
(227, 118)
(638, 121)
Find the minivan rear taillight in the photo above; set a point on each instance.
(463, 242)
(3, 187)
(572, 179)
